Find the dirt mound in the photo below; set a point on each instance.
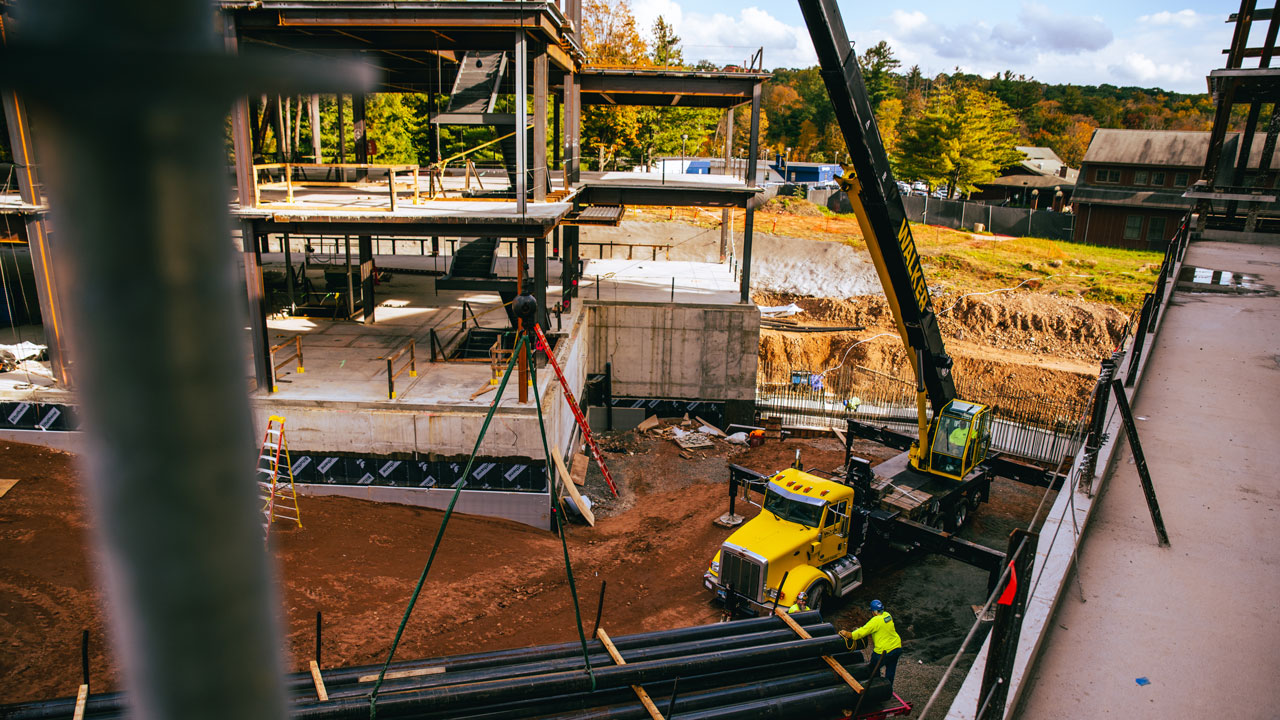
(791, 206)
(1031, 322)
(1035, 322)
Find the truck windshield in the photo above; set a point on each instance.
(792, 509)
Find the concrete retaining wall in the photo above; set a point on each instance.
(705, 352)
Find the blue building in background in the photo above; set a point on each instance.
(805, 172)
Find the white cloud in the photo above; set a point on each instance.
(1062, 32)
(1184, 18)
(907, 22)
(1173, 50)
(730, 39)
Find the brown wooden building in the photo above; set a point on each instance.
(1131, 185)
(1040, 181)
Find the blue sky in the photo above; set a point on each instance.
(1130, 42)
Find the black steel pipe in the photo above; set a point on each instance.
(301, 687)
(521, 709)
(655, 652)
(809, 703)
(449, 697)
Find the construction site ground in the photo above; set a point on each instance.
(494, 585)
(498, 584)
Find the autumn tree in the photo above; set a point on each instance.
(889, 120)
(609, 34)
(878, 64)
(964, 138)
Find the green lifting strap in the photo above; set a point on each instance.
(557, 512)
(444, 522)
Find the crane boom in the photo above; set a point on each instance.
(882, 215)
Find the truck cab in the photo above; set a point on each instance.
(801, 546)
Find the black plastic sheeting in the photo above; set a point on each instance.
(505, 474)
(711, 411)
(37, 416)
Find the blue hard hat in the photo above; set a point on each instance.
(876, 606)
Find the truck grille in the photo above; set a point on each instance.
(744, 573)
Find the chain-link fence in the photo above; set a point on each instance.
(1033, 426)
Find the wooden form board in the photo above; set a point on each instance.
(639, 691)
(398, 674)
(82, 700)
(581, 463)
(6, 485)
(835, 666)
(566, 482)
(322, 694)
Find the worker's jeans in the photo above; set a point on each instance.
(888, 661)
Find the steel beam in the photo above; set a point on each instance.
(42, 254)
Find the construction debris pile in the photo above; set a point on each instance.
(722, 670)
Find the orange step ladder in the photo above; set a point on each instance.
(275, 478)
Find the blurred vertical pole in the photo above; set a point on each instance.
(136, 182)
(522, 119)
(753, 146)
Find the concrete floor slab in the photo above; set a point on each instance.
(1197, 619)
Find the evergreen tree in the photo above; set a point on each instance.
(964, 138)
(666, 45)
(877, 65)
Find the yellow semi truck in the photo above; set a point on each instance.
(804, 540)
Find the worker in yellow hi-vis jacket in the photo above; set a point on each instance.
(886, 644)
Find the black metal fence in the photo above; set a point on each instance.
(958, 214)
(1041, 427)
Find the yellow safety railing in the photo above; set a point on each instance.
(411, 365)
(296, 342)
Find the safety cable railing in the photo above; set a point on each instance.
(411, 364)
(998, 674)
(287, 171)
(296, 342)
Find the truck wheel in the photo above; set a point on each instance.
(974, 499)
(816, 595)
(959, 515)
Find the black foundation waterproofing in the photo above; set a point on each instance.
(537, 681)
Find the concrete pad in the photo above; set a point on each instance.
(1199, 618)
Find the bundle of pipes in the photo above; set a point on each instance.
(747, 668)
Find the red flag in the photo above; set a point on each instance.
(1006, 597)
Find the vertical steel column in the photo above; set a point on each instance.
(42, 259)
(574, 131)
(259, 337)
(555, 132)
(315, 127)
(522, 112)
(342, 138)
(540, 174)
(726, 215)
(569, 269)
(540, 278)
(748, 224)
(366, 277)
(361, 144)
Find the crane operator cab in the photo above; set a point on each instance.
(961, 438)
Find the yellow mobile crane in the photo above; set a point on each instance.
(804, 544)
(955, 439)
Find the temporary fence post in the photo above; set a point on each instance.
(1140, 338)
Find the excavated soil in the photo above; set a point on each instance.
(1022, 342)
